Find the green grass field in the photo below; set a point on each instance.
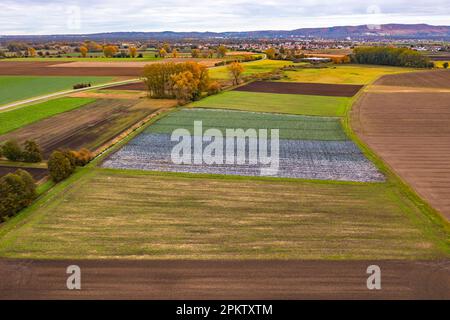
(290, 126)
(17, 118)
(342, 74)
(254, 67)
(278, 103)
(15, 88)
(157, 216)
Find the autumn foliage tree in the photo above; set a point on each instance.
(174, 53)
(236, 69)
(160, 80)
(110, 51)
(162, 53)
(221, 51)
(17, 191)
(271, 52)
(195, 53)
(184, 86)
(84, 51)
(31, 52)
(132, 51)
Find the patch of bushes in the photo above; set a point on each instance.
(62, 163)
(184, 81)
(17, 191)
(400, 57)
(81, 86)
(12, 151)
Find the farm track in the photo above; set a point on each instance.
(263, 279)
(319, 89)
(411, 132)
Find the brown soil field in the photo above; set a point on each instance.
(87, 127)
(131, 64)
(420, 79)
(257, 279)
(318, 89)
(138, 86)
(119, 69)
(36, 173)
(411, 132)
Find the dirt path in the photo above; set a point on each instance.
(409, 129)
(263, 279)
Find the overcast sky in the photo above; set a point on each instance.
(91, 16)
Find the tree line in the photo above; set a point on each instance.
(390, 56)
(183, 81)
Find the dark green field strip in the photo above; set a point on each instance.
(17, 118)
(290, 126)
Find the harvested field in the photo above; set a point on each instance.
(138, 86)
(36, 173)
(421, 79)
(411, 132)
(318, 89)
(45, 69)
(122, 69)
(223, 279)
(114, 214)
(89, 126)
(323, 160)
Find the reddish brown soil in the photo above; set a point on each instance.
(44, 68)
(36, 173)
(138, 86)
(107, 279)
(86, 127)
(318, 89)
(422, 79)
(411, 132)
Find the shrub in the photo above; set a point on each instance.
(32, 152)
(81, 86)
(402, 57)
(17, 191)
(59, 166)
(214, 88)
(79, 158)
(445, 65)
(12, 151)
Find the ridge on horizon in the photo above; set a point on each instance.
(391, 29)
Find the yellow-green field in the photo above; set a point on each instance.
(342, 74)
(254, 67)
